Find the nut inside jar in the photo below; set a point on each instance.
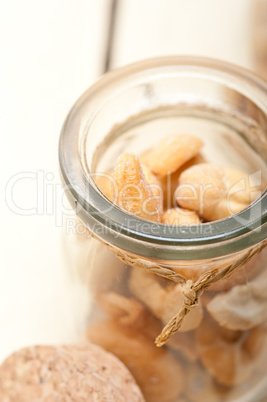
(219, 341)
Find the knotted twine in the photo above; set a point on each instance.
(192, 290)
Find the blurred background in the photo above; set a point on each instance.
(51, 52)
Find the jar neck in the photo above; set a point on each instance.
(79, 142)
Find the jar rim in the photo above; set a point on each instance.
(146, 238)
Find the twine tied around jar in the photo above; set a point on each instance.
(192, 290)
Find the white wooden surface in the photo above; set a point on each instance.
(50, 53)
(219, 29)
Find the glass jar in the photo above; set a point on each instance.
(220, 352)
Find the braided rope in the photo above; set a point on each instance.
(192, 290)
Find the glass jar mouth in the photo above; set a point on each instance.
(136, 235)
